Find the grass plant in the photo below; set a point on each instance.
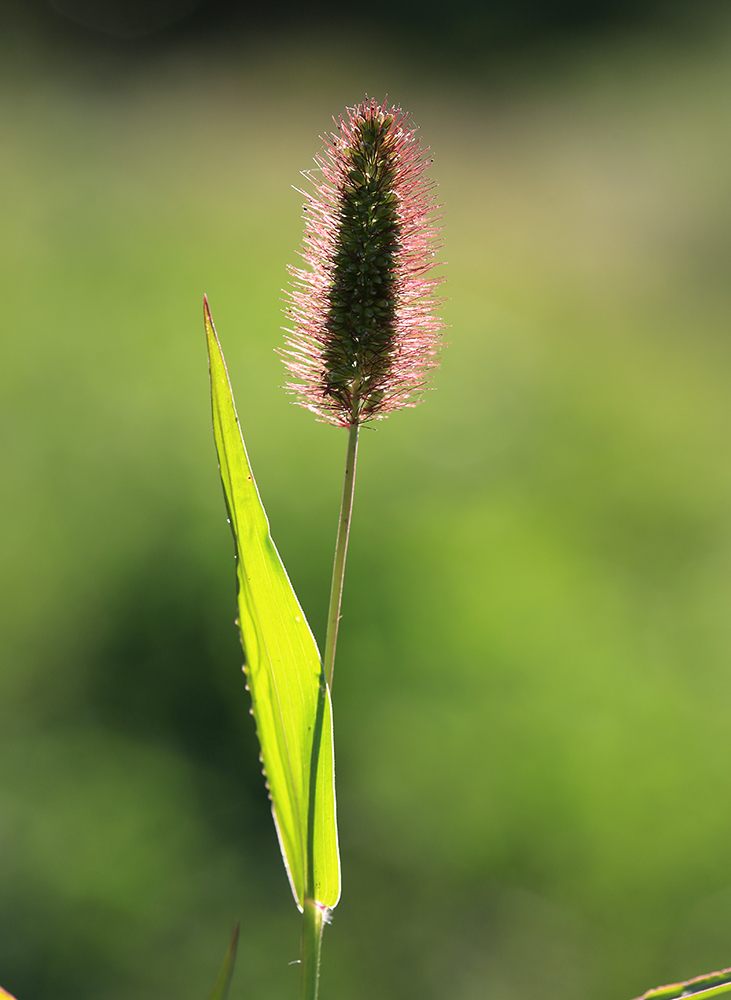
(363, 341)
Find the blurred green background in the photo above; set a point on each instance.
(533, 689)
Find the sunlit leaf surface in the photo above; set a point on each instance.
(711, 985)
(290, 699)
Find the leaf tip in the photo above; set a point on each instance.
(220, 990)
(211, 335)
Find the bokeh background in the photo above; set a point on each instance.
(534, 681)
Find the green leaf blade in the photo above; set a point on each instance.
(709, 985)
(220, 990)
(290, 699)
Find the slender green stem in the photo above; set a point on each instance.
(341, 549)
(312, 924)
(313, 915)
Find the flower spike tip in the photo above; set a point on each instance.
(364, 335)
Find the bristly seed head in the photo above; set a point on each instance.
(364, 334)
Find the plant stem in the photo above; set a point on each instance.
(341, 549)
(313, 913)
(312, 924)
